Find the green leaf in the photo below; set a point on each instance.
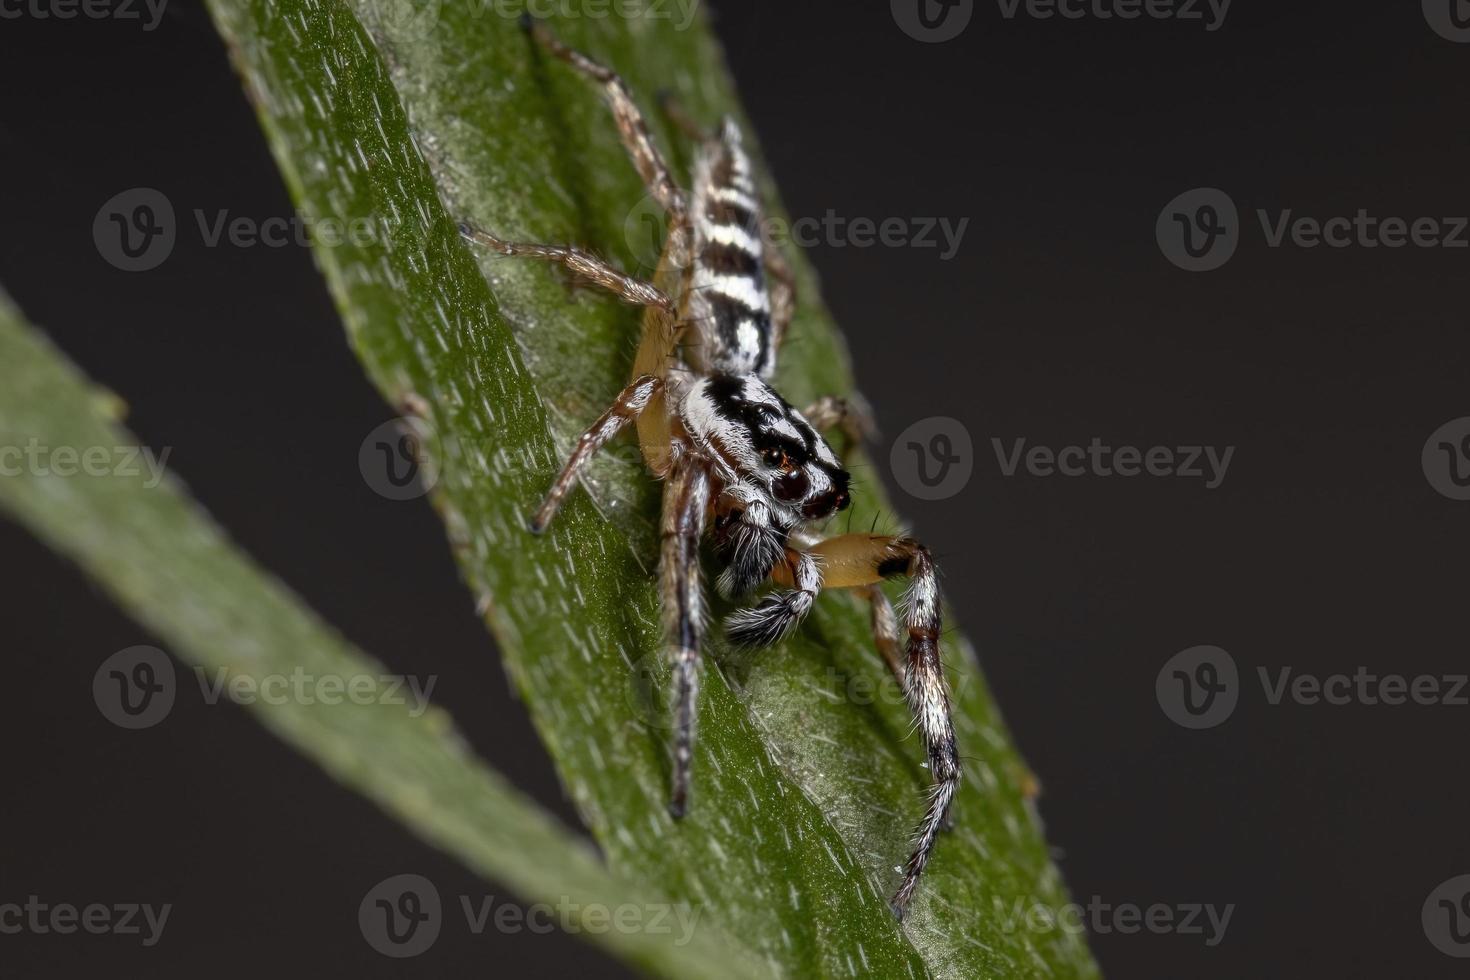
(807, 785)
(166, 563)
(416, 116)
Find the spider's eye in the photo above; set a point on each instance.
(773, 458)
(791, 486)
(842, 501)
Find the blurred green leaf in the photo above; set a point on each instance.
(402, 118)
(165, 562)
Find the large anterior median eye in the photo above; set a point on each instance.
(791, 486)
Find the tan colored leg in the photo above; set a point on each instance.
(631, 402)
(851, 417)
(631, 125)
(861, 561)
(580, 263)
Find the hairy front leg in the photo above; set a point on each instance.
(581, 264)
(861, 561)
(850, 416)
(630, 403)
(686, 500)
(632, 128)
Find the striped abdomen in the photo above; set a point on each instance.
(728, 303)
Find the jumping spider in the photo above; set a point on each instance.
(737, 460)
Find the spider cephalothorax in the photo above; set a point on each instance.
(738, 461)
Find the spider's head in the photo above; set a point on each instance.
(768, 443)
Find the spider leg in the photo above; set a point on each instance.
(630, 403)
(631, 125)
(748, 540)
(776, 615)
(885, 631)
(861, 561)
(580, 263)
(850, 416)
(686, 500)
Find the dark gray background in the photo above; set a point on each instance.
(1325, 548)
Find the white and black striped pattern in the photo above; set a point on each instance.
(729, 304)
(928, 699)
(741, 421)
(773, 619)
